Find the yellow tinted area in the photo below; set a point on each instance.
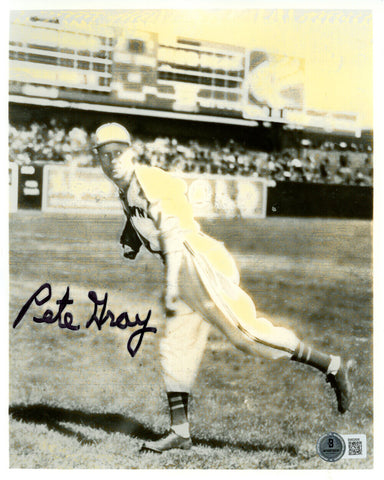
(216, 254)
(169, 191)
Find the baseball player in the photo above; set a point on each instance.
(201, 285)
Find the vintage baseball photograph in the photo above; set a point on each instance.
(190, 237)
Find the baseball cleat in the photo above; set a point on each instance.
(342, 385)
(168, 442)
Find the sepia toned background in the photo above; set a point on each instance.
(267, 114)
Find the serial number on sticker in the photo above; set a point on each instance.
(356, 446)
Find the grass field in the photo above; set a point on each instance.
(78, 400)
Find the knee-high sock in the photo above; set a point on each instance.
(178, 406)
(322, 361)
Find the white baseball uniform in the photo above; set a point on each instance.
(206, 280)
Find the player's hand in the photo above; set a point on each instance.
(129, 253)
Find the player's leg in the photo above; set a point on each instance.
(230, 309)
(181, 349)
(337, 372)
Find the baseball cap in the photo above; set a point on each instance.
(110, 133)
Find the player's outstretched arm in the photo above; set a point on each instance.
(172, 215)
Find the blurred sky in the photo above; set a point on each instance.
(336, 44)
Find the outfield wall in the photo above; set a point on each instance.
(88, 190)
(294, 199)
(59, 188)
(13, 186)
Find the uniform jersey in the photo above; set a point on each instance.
(161, 218)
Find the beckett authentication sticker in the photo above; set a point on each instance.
(331, 447)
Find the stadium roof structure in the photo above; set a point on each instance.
(131, 111)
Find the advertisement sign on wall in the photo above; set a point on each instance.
(30, 186)
(13, 174)
(87, 190)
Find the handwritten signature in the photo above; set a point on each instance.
(65, 319)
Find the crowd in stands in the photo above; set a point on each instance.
(40, 142)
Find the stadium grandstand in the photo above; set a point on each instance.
(192, 106)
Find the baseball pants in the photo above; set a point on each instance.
(207, 298)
